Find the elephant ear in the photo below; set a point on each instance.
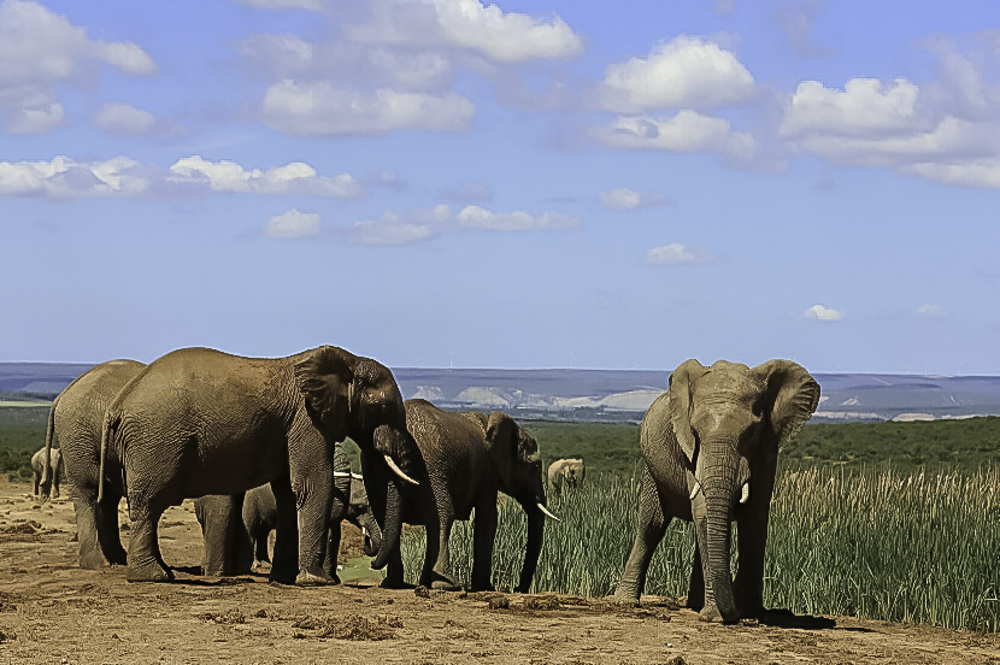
(325, 376)
(504, 440)
(681, 385)
(791, 395)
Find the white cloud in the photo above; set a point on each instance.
(864, 109)
(503, 37)
(294, 224)
(323, 109)
(677, 254)
(390, 230)
(127, 120)
(973, 173)
(822, 313)
(39, 50)
(688, 131)
(474, 217)
(293, 178)
(64, 178)
(686, 73)
(627, 199)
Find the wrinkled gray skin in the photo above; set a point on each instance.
(199, 421)
(710, 448)
(236, 528)
(468, 459)
(566, 472)
(76, 419)
(49, 472)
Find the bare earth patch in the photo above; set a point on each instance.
(53, 612)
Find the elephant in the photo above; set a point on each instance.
(200, 421)
(76, 419)
(568, 472)
(48, 471)
(468, 458)
(236, 528)
(710, 449)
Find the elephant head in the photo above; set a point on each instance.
(519, 467)
(730, 421)
(348, 395)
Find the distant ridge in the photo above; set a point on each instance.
(617, 395)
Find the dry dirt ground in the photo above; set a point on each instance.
(53, 612)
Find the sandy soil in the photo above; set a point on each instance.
(53, 612)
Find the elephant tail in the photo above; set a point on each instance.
(108, 431)
(48, 472)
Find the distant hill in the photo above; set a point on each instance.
(616, 395)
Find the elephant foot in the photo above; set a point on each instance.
(388, 583)
(305, 578)
(260, 567)
(151, 572)
(626, 599)
(93, 561)
(712, 614)
(448, 585)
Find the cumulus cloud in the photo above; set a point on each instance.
(293, 178)
(685, 73)
(323, 109)
(294, 224)
(41, 50)
(627, 199)
(677, 254)
(63, 177)
(688, 131)
(502, 37)
(865, 108)
(420, 225)
(821, 313)
(127, 120)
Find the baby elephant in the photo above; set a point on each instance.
(568, 472)
(260, 518)
(55, 471)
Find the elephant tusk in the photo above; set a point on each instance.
(398, 471)
(341, 474)
(547, 512)
(695, 490)
(357, 476)
(745, 496)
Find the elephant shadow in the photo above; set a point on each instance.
(781, 618)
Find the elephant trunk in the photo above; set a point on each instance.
(393, 525)
(719, 601)
(372, 534)
(536, 530)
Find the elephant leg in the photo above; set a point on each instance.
(749, 583)
(284, 566)
(437, 561)
(145, 563)
(696, 587)
(651, 527)
(394, 572)
(106, 517)
(483, 539)
(333, 551)
(314, 517)
(91, 554)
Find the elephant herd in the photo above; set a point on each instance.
(257, 443)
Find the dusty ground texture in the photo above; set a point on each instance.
(53, 612)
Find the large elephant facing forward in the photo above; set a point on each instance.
(75, 420)
(469, 458)
(198, 421)
(710, 449)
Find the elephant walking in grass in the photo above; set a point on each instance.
(199, 421)
(468, 459)
(75, 420)
(566, 473)
(48, 467)
(710, 449)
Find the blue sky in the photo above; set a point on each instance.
(441, 183)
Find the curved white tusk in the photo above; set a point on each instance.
(745, 496)
(547, 512)
(341, 474)
(357, 476)
(695, 490)
(398, 471)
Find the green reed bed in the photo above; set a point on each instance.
(870, 542)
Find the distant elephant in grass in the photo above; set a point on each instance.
(199, 421)
(710, 449)
(468, 459)
(566, 472)
(75, 420)
(49, 468)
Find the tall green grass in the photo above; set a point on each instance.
(874, 542)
